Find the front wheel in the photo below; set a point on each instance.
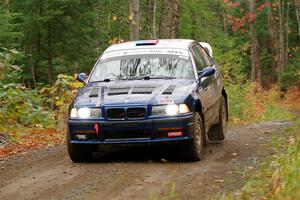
(79, 152)
(195, 148)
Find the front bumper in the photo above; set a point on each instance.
(131, 132)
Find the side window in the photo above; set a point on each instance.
(199, 60)
(206, 57)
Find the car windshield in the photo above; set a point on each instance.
(143, 66)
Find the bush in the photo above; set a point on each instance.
(19, 104)
(237, 103)
(23, 106)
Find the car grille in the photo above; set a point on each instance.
(122, 114)
(133, 113)
(116, 113)
(119, 135)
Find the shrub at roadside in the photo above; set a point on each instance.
(26, 118)
(249, 103)
(278, 178)
(19, 105)
(23, 106)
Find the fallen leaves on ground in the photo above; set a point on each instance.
(21, 141)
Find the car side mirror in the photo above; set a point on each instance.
(81, 77)
(207, 71)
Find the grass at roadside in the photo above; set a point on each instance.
(278, 177)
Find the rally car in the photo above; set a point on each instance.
(149, 92)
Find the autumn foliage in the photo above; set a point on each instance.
(20, 141)
(265, 104)
(239, 22)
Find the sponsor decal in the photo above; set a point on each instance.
(169, 129)
(166, 100)
(178, 52)
(84, 131)
(175, 134)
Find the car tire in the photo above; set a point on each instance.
(195, 148)
(217, 132)
(79, 152)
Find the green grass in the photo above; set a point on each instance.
(168, 192)
(237, 102)
(279, 176)
(277, 112)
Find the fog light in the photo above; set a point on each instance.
(81, 137)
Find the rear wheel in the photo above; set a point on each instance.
(218, 131)
(79, 152)
(195, 148)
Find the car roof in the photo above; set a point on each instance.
(160, 43)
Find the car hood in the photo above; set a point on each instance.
(134, 92)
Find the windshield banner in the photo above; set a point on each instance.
(130, 52)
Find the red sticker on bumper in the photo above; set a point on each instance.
(175, 134)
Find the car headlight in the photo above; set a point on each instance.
(171, 109)
(85, 113)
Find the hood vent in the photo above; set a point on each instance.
(143, 90)
(94, 92)
(118, 90)
(169, 90)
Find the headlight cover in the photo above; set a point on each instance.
(85, 113)
(171, 109)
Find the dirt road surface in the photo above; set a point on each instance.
(138, 173)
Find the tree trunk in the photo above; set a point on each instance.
(153, 14)
(176, 14)
(50, 65)
(97, 23)
(194, 24)
(287, 32)
(224, 19)
(272, 47)
(297, 3)
(169, 20)
(282, 61)
(255, 57)
(134, 22)
(150, 19)
(32, 70)
(6, 3)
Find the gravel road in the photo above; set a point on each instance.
(138, 173)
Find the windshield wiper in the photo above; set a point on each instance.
(159, 77)
(104, 80)
(133, 78)
(147, 77)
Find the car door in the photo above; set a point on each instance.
(204, 88)
(216, 87)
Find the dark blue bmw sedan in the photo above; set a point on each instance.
(149, 92)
